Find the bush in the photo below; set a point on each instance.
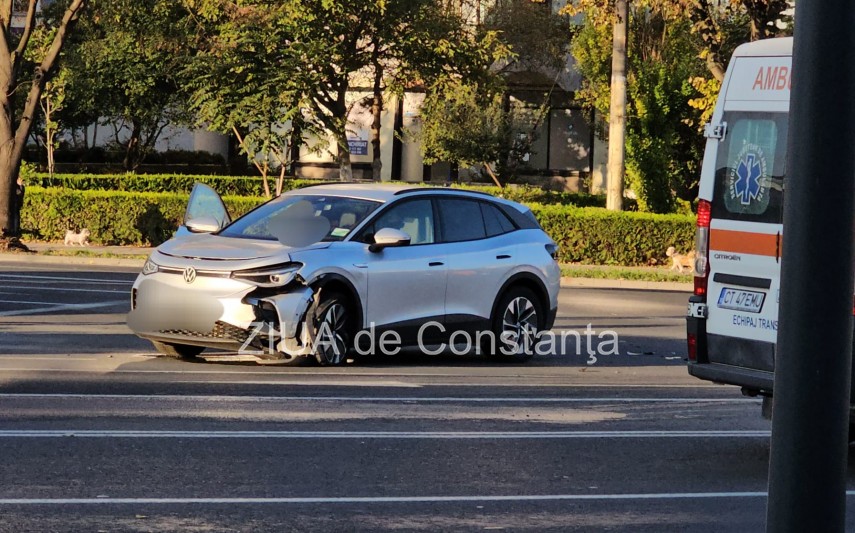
(527, 194)
(113, 218)
(251, 186)
(584, 235)
(597, 236)
(173, 183)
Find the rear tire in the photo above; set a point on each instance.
(331, 326)
(185, 352)
(518, 318)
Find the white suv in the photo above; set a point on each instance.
(305, 273)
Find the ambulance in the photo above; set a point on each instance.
(732, 322)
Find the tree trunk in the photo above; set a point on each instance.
(13, 141)
(132, 148)
(715, 66)
(294, 150)
(617, 110)
(50, 135)
(377, 112)
(345, 170)
(9, 169)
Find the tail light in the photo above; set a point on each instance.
(693, 347)
(702, 248)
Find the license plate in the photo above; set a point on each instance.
(740, 300)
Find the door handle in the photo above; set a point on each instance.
(435, 263)
(503, 256)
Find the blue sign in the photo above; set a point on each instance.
(358, 146)
(748, 173)
(747, 182)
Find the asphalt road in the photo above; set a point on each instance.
(97, 434)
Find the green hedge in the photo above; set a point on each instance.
(529, 194)
(585, 235)
(597, 236)
(251, 186)
(112, 217)
(169, 183)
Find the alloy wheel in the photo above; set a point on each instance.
(519, 326)
(331, 340)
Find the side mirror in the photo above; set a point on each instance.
(203, 225)
(389, 238)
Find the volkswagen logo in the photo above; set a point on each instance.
(189, 274)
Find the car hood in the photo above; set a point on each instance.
(214, 247)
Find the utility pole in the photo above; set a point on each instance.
(617, 110)
(807, 470)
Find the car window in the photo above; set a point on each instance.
(495, 222)
(413, 217)
(751, 168)
(336, 215)
(461, 220)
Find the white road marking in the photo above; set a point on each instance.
(71, 289)
(63, 307)
(365, 399)
(48, 358)
(395, 435)
(30, 302)
(295, 375)
(61, 278)
(391, 499)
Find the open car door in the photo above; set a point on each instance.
(205, 213)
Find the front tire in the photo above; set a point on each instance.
(184, 352)
(330, 327)
(516, 322)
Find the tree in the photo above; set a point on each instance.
(18, 76)
(670, 91)
(538, 37)
(413, 42)
(125, 70)
(662, 145)
(537, 42)
(471, 125)
(722, 26)
(317, 51)
(242, 84)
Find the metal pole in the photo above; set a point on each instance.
(807, 470)
(617, 110)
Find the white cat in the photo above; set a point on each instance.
(81, 238)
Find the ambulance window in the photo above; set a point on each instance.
(750, 168)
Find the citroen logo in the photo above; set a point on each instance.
(189, 274)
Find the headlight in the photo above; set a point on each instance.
(271, 276)
(150, 267)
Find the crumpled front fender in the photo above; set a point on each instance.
(291, 307)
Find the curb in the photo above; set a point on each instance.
(36, 259)
(596, 283)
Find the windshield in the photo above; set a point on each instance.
(300, 220)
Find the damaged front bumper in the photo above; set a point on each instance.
(215, 310)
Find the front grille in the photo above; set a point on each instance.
(199, 273)
(221, 331)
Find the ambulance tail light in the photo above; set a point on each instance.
(702, 248)
(693, 347)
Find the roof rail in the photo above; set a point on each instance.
(353, 182)
(420, 189)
